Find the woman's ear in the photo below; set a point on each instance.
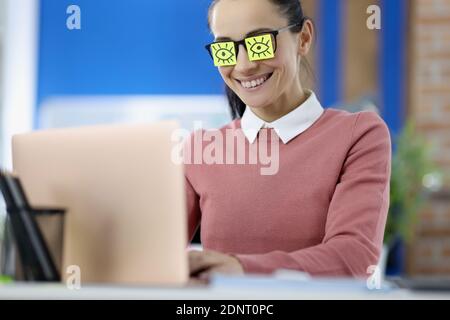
(305, 38)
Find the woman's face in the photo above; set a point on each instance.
(234, 19)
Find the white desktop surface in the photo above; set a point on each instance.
(222, 288)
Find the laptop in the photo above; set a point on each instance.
(124, 197)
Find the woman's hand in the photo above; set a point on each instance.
(203, 263)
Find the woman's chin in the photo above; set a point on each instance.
(256, 103)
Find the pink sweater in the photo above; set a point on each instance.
(324, 212)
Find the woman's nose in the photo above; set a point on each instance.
(243, 64)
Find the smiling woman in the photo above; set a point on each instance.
(290, 33)
(324, 211)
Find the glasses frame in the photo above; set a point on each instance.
(237, 44)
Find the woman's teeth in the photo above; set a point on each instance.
(254, 83)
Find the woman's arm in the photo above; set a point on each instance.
(356, 216)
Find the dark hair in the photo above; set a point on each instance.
(293, 11)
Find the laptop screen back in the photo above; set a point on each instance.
(125, 220)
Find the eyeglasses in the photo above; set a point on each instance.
(259, 47)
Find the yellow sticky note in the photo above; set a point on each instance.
(224, 54)
(260, 47)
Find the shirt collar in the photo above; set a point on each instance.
(288, 126)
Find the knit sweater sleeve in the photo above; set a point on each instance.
(356, 216)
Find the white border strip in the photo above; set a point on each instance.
(19, 72)
(69, 111)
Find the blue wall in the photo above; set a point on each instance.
(393, 59)
(125, 47)
(330, 36)
(156, 47)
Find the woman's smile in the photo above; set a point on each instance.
(255, 83)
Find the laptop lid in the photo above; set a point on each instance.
(125, 220)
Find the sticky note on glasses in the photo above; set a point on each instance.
(224, 54)
(260, 47)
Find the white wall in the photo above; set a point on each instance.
(2, 28)
(2, 24)
(188, 110)
(18, 71)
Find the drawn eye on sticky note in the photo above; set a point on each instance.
(224, 54)
(260, 47)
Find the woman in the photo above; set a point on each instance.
(324, 210)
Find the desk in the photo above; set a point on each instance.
(221, 288)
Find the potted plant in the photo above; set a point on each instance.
(3, 278)
(411, 166)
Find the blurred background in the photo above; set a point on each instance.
(143, 61)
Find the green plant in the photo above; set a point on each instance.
(411, 162)
(5, 279)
